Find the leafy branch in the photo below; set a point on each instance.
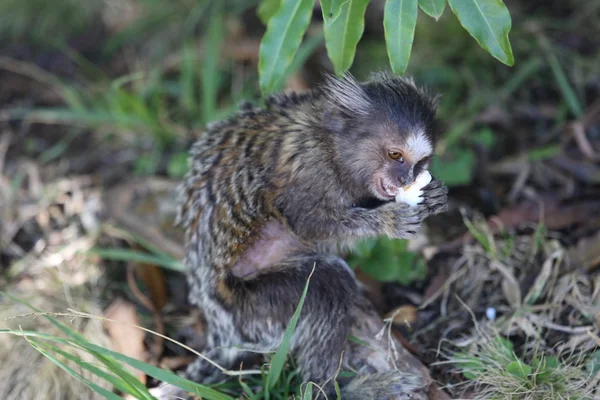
(287, 21)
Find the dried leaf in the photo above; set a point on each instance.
(403, 315)
(586, 253)
(154, 279)
(510, 285)
(436, 393)
(538, 286)
(527, 327)
(126, 338)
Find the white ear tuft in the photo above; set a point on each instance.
(347, 94)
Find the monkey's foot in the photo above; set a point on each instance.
(390, 385)
(385, 368)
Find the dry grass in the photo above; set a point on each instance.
(542, 331)
(59, 218)
(24, 371)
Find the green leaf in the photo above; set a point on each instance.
(485, 138)
(344, 26)
(488, 21)
(178, 165)
(399, 21)
(518, 369)
(433, 8)
(389, 260)
(551, 362)
(326, 8)
(282, 351)
(364, 247)
(455, 167)
(267, 9)
(593, 363)
(544, 367)
(281, 41)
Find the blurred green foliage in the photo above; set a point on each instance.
(388, 260)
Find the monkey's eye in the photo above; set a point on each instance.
(396, 155)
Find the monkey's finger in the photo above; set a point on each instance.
(436, 199)
(436, 189)
(434, 184)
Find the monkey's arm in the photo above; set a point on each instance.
(326, 219)
(435, 198)
(396, 220)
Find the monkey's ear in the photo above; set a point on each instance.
(346, 95)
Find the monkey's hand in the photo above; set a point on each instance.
(400, 220)
(435, 199)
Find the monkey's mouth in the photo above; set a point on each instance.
(386, 189)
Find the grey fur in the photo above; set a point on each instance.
(306, 167)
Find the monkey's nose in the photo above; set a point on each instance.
(405, 180)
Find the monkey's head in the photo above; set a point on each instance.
(384, 132)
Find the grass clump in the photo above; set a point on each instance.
(494, 371)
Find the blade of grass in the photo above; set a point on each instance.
(210, 64)
(142, 242)
(187, 99)
(561, 79)
(98, 351)
(114, 380)
(80, 341)
(162, 375)
(100, 390)
(524, 72)
(282, 351)
(132, 255)
(308, 392)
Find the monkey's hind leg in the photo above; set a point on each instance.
(254, 314)
(271, 299)
(385, 369)
(246, 316)
(333, 309)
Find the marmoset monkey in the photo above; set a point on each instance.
(273, 192)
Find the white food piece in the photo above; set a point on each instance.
(411, 194)
(490, 313)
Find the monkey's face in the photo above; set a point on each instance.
(384, 131)
(397, 158)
